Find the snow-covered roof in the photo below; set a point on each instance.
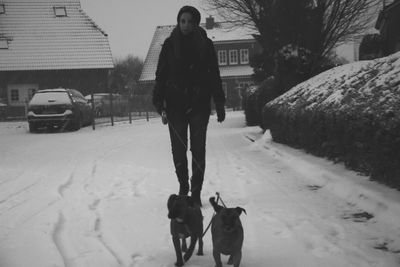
(221, 33)
(224, 32)
(39, 40)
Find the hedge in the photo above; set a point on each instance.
(350, 114)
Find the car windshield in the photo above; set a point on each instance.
(49, 98)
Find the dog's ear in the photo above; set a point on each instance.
(239, 210)
(216, 207)
(171, 200)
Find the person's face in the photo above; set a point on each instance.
(186, 23)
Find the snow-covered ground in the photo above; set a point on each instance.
(98, 198)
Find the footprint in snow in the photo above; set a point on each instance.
(361, 216)
(314, 187)
(94, 205)
(387, 245)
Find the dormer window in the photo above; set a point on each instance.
(60, 11)
(233, 57)
(244, 56)
(3, 43)
(222, 58)
(2, 9)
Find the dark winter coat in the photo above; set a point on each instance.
(187, 75)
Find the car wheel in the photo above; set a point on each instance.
(32, 127)
(77, 123)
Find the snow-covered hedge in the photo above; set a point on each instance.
(350, 113)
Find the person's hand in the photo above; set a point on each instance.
(220, 108)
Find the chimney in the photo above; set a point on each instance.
(210, 23)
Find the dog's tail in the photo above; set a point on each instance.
(216, 207)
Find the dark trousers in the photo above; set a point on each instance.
(197, 122)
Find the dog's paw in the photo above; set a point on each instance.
(179, 263)
(187, 256)
(200, 253)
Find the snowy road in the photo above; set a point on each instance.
(98, 198)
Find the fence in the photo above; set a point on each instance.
(105, 110)
(113, 108)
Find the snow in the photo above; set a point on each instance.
(223, 31)
(363, 84)
(51, 98)
(98, 198)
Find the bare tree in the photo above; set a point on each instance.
(316, 25)
(344, 20)
(126, 73)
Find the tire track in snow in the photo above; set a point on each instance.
(94, 169)
(90, 177)
(58, 239)
(12, 179)
(23, 190)
(50, 204)
(104, 240)
(13, 201)
(66, 185)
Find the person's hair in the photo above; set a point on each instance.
(192, 10)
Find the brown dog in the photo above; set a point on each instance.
(186, 220)
(227, 234)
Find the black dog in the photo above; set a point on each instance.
(186, 220)
(227, 234)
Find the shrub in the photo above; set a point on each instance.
(349, 114)
(255, 98)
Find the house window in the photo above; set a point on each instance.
(233, 57)
(14, 95)
(222, 60)
(244, 56)
(2, 9)
(3, 43)
(60, 11)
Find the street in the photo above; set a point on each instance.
(98, 198)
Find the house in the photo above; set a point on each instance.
(47, 44)
(388, 25)
(234, 48)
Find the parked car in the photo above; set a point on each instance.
(66, 108)
(102, 104)
(3, 109)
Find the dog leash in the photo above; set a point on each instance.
(219, 197)
(198, 165)
(186, 147)
(212, 218)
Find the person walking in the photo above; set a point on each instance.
(187, 78)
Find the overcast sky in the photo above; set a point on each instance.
(130, 24)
